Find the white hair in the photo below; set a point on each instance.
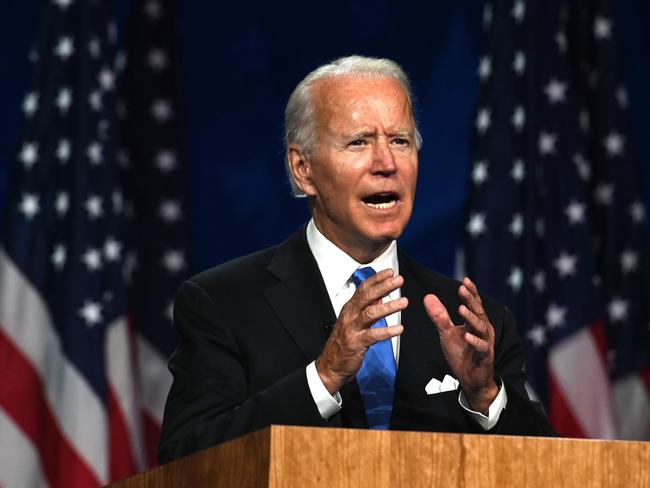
(299, 123)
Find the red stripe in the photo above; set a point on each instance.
(121, 458)
(599, 334)
(562, 418)
(152, 438)
(22, 396)
(645, 376)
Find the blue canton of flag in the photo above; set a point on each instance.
(93, 249)
(555, 225)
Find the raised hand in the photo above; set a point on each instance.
(352, 336)
(468, 348)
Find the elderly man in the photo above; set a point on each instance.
(336, 326)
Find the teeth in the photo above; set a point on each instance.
(382, 205)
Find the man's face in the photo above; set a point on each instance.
(361, 176)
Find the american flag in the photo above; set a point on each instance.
(94, 246)
(556, 223)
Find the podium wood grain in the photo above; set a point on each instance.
(281, 456)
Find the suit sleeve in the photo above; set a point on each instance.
(210, 401)
(521, 416)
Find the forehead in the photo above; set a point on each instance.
(355, 97)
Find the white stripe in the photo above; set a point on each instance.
(121, 372)
(155, 377)
(80, 414)
(20, 465)
(576, 365)
(632, 401)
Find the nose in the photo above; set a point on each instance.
(383, 161)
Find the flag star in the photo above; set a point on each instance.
(58, 257)
(95, 100)
(518, 171)
(476, 225)
(539, 281)
(153, 9)
(519, 63)
(483, 120)
(111, 31)
(516, 226)
(480, 172)
(540, 228)
(64, 99)
(484, 68)
(158, 59)
(93, 206)
(556, 91)
(106, 79)
(33, 56)
(118, 202)
(62, 203)
(547, 143)
(92, 258)
(555, 316)
(566, 264)
(174, 261)
(29, 205)
(515, 279)
(585, 120)
(161, 110)
(604, 194)
(130, 264)
(537, 335)
(602, 27)
(617, 310)
(487, 15)
(28, 154)
(112, 250)
(91, 312)
(584, 168)
(518, 11)
(30, 104)
(637, 211)
(576, 212)
(560, 38)
(621, 97)
(94, 153)
(170, 211)
(629, 261)
(614, 143)
(120, 62)
(518, 118)
(166, 161)
(62, 4)
(94, 47)
(64, 48)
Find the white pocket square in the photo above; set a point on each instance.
(434, 386)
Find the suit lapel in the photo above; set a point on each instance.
(300, 298)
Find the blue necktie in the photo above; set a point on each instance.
(376, 378)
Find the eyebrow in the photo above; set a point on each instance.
(373, 133)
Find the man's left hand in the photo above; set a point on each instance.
(468, 348)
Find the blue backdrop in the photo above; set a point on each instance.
(241, 61)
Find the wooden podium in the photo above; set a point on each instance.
(280, 456)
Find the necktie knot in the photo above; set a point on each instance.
(362, 274)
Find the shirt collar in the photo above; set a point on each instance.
(336, 266)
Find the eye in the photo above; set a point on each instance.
(401, 141)
(358, 142)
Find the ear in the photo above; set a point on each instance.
(300, 167)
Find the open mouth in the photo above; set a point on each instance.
(381, 200)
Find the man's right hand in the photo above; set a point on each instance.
(352, 336)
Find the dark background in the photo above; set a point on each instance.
(242, 59)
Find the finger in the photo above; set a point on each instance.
(478, 324)
(480, 345)
(469, 294)
(375, 288)
(437, 312)
(372, 313)
(378, 334)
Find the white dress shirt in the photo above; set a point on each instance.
(336, 268)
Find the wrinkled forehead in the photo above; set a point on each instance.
(341, 96)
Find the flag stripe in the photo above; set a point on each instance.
(21, 465)
(559, 410)
(155, 378)
(632, 398)
(122, 460)
(26, 322)
(21, 396)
